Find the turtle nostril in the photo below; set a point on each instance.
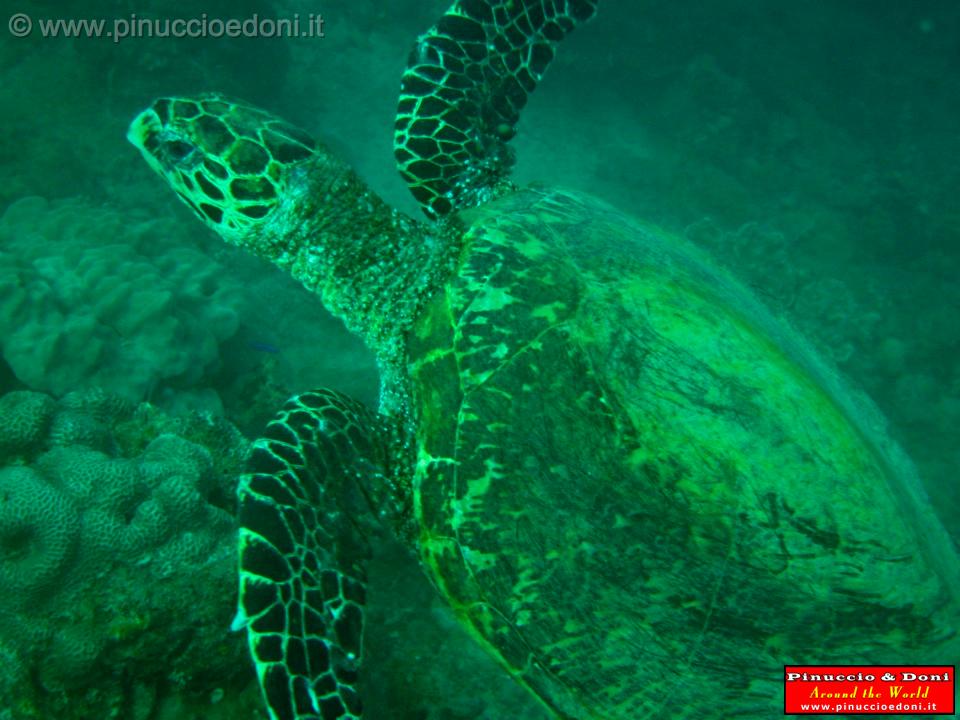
(151, 141)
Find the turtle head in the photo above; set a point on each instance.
(263, 185)
(231, 163)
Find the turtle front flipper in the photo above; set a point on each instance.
(467, 79)
(305, 532)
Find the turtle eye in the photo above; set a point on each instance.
(177, 150)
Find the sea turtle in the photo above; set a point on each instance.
(637, 488)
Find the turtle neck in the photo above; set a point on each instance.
(373, 266)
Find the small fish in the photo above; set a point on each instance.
(263, 347)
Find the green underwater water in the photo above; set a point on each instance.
(811, 147)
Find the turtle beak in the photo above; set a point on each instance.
(163, 148)
(144, 134)
(145, 130)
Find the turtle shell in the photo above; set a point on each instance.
(641, 490)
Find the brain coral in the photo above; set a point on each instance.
(24, 418)
(92, 297)
(116, 559)
(39, 525)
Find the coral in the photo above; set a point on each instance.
(93, 297)
(38, 530)
(24, 417)
(97, 404)
(77, 428)
(115, 562)
(226, 445)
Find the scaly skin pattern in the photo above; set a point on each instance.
(633, 496)
(318, 485)
(308, 515)
(227, 161)
(467, 79)
(638, 489)
(267, 187)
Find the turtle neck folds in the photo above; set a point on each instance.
(372, 265)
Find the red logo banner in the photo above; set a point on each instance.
(869, 689)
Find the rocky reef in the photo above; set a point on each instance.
(117, 561)
(91, 297)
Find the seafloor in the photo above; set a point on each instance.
(811, 146)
